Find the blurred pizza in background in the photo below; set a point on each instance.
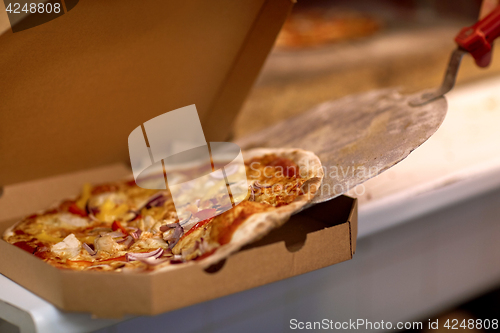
(309, 27)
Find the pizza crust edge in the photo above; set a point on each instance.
(260, 224)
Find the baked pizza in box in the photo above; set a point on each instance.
(314, 27)
(121, 227)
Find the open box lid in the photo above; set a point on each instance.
(73, 88)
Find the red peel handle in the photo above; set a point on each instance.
(478, 39)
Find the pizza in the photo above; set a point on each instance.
(311, 27)
(118, 226)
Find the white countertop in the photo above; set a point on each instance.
(460, 161)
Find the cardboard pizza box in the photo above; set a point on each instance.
(320, 236)
(72, 90)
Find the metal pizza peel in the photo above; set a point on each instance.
(356, 137)
(360, 136)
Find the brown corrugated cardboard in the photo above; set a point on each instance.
(73, 88)
(315, 238)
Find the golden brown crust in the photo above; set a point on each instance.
(260, 224)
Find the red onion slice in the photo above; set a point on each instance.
(178, 233)
(226, 207)
(132, 215)
(91, 210)
(252, 194)
(91, 251)
(153, 254)
(167, 227)
(152, 199)
(136, 234)
(127, 241)
(156, 200)
(173, 239)
(186, 220)
(153, 261)
(203, 245)
(176, 259)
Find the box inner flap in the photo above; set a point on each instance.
(75, 87)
